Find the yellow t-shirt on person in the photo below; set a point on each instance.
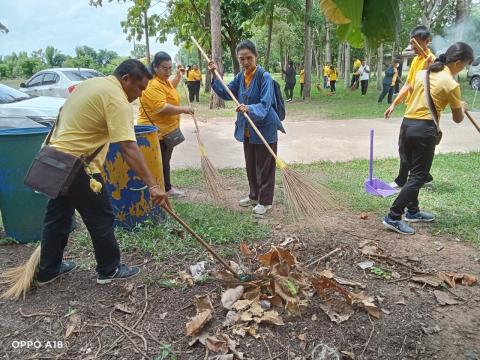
(395, 75)
(154, 98)
(444, 90)
(419, 63)
(333, 74)
(326, 70)
(356, 67)
(194, 75)
(302, 76)
(96, 113)
(248, 77)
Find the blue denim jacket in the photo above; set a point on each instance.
(259, 97)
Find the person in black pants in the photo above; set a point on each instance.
(290, 80)
(389, 82)
(97, 113)
(433, 90)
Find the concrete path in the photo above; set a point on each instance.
(310, 140)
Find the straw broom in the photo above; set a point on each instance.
(20, 279)
(307, 199)
(213, 180)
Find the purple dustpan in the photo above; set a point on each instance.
(375, 186)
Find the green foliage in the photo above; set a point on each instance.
(384, 274)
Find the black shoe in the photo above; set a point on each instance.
(66, 267)
(122, 272)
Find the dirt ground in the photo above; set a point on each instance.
(413, 325)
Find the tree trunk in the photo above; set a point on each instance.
(147, 42)
(380, 67)
(216, 27)
(269, 38)
(328, 44)
(232, 45)
(308, 51)
(347, 65)
(316, 55)
(462, 10)
(340, 59)
(281, 58)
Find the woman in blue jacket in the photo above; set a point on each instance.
(254, 89)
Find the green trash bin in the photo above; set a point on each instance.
(22, 209)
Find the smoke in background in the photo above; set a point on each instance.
(468, 31)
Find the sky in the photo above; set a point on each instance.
(66, 24)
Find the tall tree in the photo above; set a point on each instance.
(308, 51)
(380, 67)
(216, 27)
(346, 68)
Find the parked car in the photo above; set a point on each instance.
(473, 74)
(16, 104)
(58, 82)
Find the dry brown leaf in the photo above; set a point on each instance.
(270, 258)
(256, 309)
(246, 316)
(231, 318)
(186, 278)
(201, 338)
(452, 278)
(124, 308)
(338, 311)
(370, 250)
(289, 240)
(202, 303)
(323, 283)
(364, 216)
(443, 298)
(367, 302)
(245, 250)
(241, 305)
(198, 322)
(230, 296)
(217, 344)
(342, 281)
(127, 289)
(270, 317)
(286, 256)
(302, 337)
(74, 322)
(252, 293)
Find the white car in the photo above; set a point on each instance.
(473, 74)
(58, 82)
(16, 104)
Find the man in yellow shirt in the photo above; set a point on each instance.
(97, 113)
(419, 35)
(194, 81)
(326, 71)
(302, 80)
(356, 73)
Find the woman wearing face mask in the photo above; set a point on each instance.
(160, 106)
(420, 130)
(254, 89)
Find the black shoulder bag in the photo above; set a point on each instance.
(52, 172)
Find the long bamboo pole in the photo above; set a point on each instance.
(472, 120)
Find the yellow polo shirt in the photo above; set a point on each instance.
(154, 98)
(419, 63)
(356, 67)
(96, 113)
(302, 76)
(333, 74)
(194, 75)
(444, 90)
(326, 70)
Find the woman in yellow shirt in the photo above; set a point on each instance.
(419, 130)
(194, 81)
(160, 106)
(332, 73)
(302, 80)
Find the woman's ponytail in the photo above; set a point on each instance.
(439, 63)
(457, 52)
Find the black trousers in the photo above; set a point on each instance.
(332, 86)
(194, 91)
(301, 89)
(364, 86)
(417, 140)
(260, 166)
(387, 89)
(166, 157)
(289, 90)
(354, 80)
(97, 214)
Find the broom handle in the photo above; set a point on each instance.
(421, 49)
(200, 240)
(370, 168)
(472, 120)
(227, 89)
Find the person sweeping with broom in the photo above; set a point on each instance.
(96, 114)
(433, 90)
(254, 88)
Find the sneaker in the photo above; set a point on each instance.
(261, 210)
(288, 100)
(398, 226)
(247, 202)
(175, 193)
(122, 272)
(419, 217)
(395, 185)
(66, 267)
(428, 184)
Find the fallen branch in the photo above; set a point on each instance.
(370, 337)
(125, 334)
(324, 257)
(399, 262)
(133, 332)
(268, 349)
(33, 314)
